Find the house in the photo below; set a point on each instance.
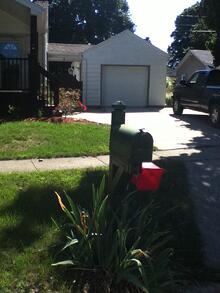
(66, 58)
(192, 61)
(124, 67)
(24, 80)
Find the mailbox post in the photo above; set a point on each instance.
(129, 148)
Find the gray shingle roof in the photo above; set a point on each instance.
(67, 49)
(204, 56)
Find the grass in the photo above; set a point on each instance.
(21, 140)
(27, 235)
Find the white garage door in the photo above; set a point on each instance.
(126, 83)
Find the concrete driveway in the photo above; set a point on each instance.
(190, 130)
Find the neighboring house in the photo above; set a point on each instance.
(194, 60)
(23, 52)
(124, 67)
(66, 58)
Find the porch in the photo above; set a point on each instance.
(24, 83)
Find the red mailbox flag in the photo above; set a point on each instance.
(149, 178)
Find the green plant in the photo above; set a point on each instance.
(112, 250)
(14, 111)
(169, 101)
(170, 83)
(69, 101)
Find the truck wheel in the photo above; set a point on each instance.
(215, 115)
(177, 108)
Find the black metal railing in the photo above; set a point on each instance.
(48, 89)
(26, 75)
(14, 74)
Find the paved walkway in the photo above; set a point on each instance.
(32, 165)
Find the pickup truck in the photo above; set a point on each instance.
(201, 92)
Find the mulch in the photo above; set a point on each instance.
(52, 119)
(56, 119)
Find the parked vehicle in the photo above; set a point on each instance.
(201, 92)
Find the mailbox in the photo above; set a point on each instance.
(130, 147)
(149, 178)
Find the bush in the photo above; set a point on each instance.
(114, 250)
(69, 102)
(169, 101)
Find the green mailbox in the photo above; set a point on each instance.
(129, 148)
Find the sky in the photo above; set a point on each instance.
(156, 18)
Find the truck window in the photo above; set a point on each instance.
(198, 78)
(214, 78)
(193, 78)
(202, 78)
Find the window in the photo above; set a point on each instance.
(214, 78)
(198, 78)
(10, 49)
(193, 79)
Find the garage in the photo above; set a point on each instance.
(126, 83)
(124, 67)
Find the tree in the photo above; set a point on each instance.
(211, 11)
(187, 35)
(87, 21)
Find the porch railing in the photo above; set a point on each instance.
(48, 89)
(14, 74)
(26, 75)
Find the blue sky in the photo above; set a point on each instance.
(155, 18)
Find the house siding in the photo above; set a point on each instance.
(128, 50)
(15, 27)
(187, 68)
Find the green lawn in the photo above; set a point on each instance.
(20, 140)
(28, 237)
(27, 234)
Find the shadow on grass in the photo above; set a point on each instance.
(173, 211)
(35, 206)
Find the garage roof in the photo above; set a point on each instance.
(66, 52)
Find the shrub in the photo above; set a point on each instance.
(69, 101)
(169, 101)
(114, 250)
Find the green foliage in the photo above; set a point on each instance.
(14, 112)
(118, 249)
(186, 36)
(170, 83)
(87, 21)
(69, 101)
(211, 11)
